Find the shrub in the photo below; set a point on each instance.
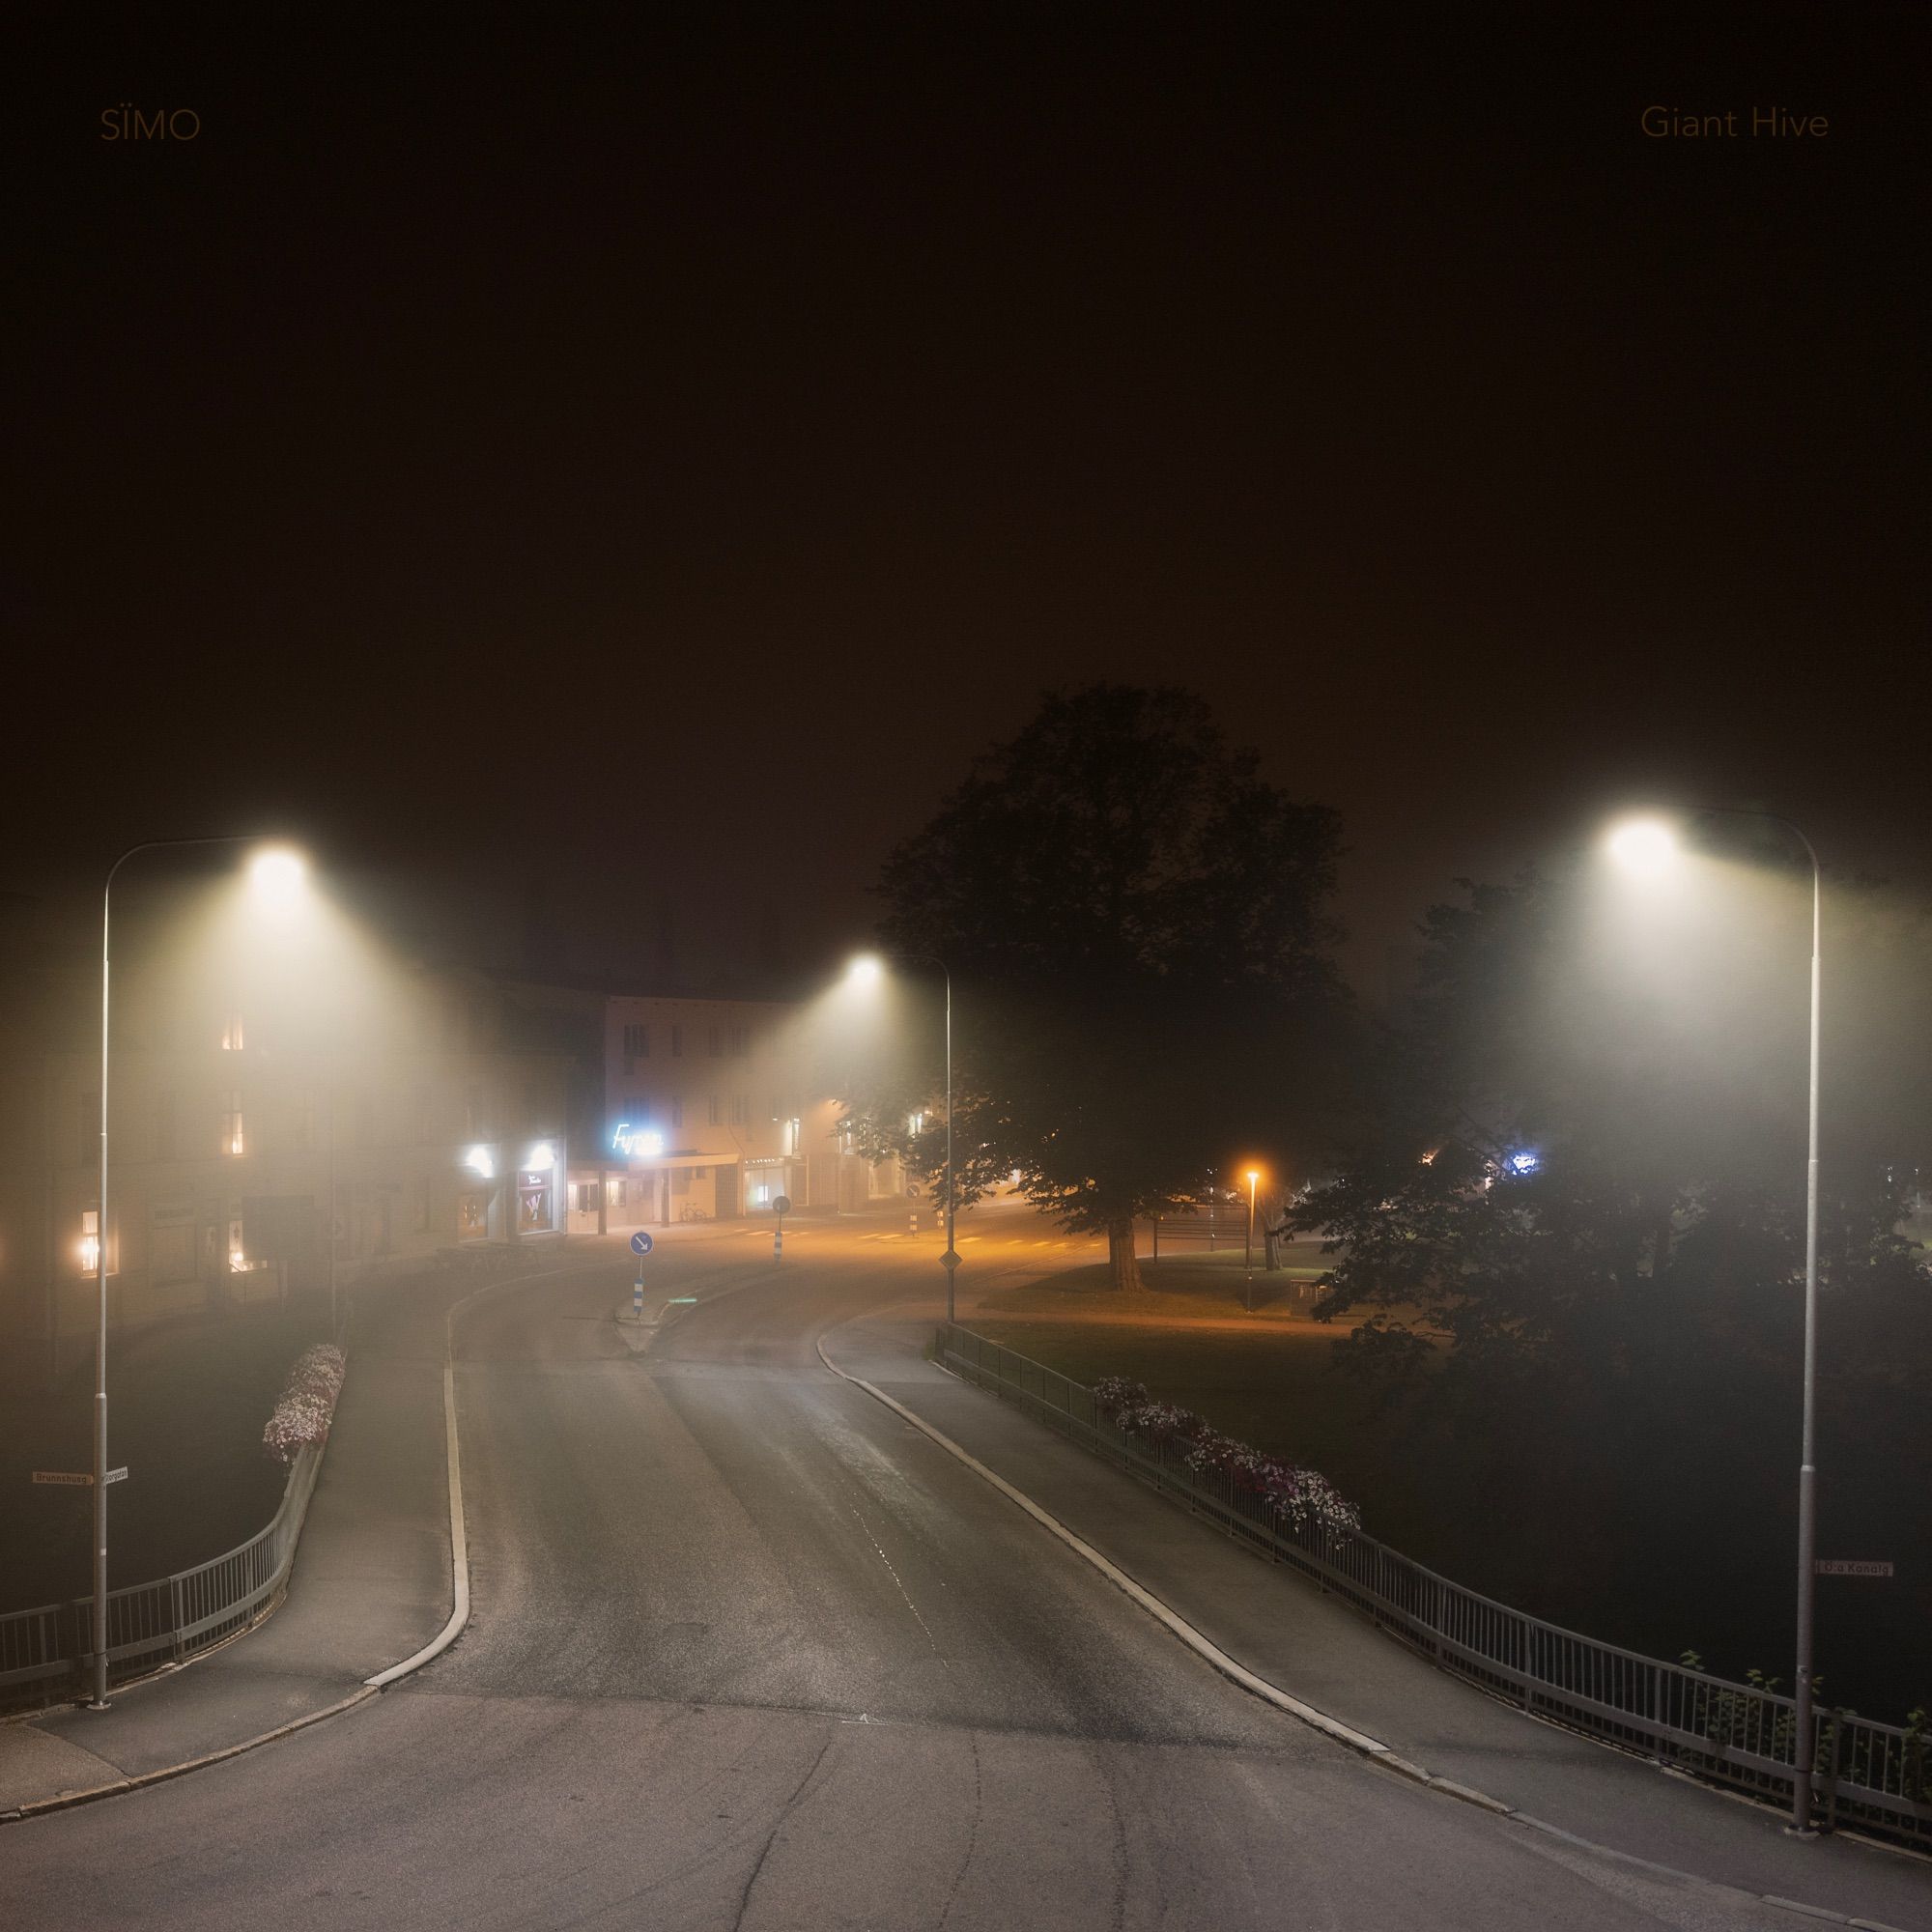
(306, 1404)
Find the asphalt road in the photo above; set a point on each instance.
(748, 1651)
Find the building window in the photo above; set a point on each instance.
(741, 1109)
(232, 1139)
(713, 1040)
(472, 1213)
(237, 1249)
(714, 1110)
(677, 1111)
(676, 1040)
(791, 1135)
(231, 1034)
(741, 1042)
(90, 1240)
(637, 1041)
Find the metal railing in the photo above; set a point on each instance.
(1876, 1776)
(47, 1654)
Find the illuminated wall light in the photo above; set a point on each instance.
(541, 1155)
(90, 1240)
(477, 1160)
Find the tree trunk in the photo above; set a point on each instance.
(1120, 1255)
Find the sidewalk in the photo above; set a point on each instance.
(371, 1584)
(1285, 1629)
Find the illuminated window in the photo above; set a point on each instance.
(231, 1034)
(791, 1135)
(232, 1139)
(237, 1249)
(90, 1240)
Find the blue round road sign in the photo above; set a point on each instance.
(640, 1243)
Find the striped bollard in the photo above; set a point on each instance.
(637, 1300)
(777, 1244)
(913, 1217)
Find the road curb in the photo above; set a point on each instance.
(1371, 1749)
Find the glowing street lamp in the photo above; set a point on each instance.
(1647, 848)
(866, 971)
(275, 878)
(1254, 1176)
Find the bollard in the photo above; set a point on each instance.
(777, 1244)
(637, 1300)
(913, 1218)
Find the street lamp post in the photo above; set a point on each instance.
(273, 870)
(858, 970)
(1646, 847)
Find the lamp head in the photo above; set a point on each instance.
(1646, 847)
(276, 876)
(866, 969)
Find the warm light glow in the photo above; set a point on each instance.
(90, 1239)
(1644, 847)
(1254, 1174)
(635, 1141)
(867, 969)
(275, 875)
(541, 1155)
(237, 1262)
(477, 1160)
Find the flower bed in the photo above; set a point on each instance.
(306, 1404)
(1294, 1494)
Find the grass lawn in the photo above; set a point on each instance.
(1668, 1531)
(1194, 1287)
(185, 1407)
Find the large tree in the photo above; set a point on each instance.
(1136, 925)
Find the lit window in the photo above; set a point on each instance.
(232, 1035)
(90, 1240)
(237, 1249)
(232, 1138)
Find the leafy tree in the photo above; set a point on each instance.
(1137, 931)
(1586, 1143)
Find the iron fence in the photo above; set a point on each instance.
(1876, 1776)
(46, 1655)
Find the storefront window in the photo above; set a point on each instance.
(533, 1214)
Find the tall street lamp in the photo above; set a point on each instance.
(1648, 847)
(867, 970)
(275, 877)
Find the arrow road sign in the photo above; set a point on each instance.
(64, 1479)
(640, 1243)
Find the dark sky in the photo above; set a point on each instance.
(639, 464)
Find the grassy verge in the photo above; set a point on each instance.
(1663, 1524)
(185, 1410)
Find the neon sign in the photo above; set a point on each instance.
(633, 1142)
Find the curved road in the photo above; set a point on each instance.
(748, 1651)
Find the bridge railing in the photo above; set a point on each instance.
(1876, 1776)
(46, 1655)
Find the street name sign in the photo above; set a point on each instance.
(118, 1475)
(640, 1243)
(1837, 1566)
(66, 1478)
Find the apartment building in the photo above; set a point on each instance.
(255, 1156)
(703, 1109)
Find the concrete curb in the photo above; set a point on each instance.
(459, 1535)
(1371, 1749)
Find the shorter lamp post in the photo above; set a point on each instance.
(865, 970)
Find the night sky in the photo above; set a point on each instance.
(631, 469)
